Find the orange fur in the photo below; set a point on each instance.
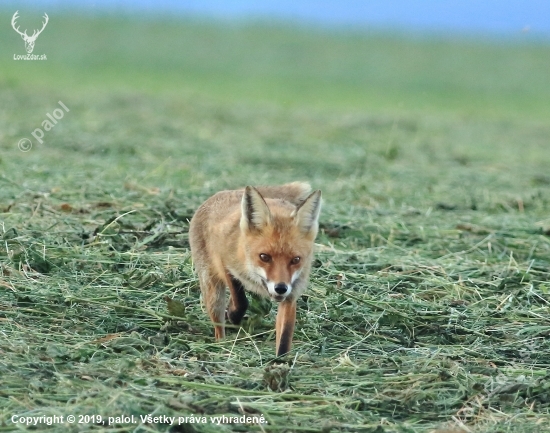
(260, 240)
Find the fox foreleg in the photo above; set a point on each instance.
(284, 330)
(238, 303)
(214, 301)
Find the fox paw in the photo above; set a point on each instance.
(234, 316)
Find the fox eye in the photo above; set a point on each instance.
(295, 261)
(266, 258)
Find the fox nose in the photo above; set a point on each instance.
(281, 288)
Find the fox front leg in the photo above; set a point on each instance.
(284, 330)
(238, 303)
(214, 300)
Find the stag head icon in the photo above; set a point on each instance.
(29, 40)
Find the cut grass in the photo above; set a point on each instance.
(429, 301)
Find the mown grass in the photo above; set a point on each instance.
(429, 302)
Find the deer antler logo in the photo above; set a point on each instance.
(29, 40)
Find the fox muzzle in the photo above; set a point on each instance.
(281, 288)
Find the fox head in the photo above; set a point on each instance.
(278, 240)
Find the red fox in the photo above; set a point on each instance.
(256, 239)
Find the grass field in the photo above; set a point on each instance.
(428, 308)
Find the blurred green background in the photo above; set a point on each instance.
(251, 94)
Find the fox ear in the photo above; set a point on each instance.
(307, 214)
(255, 214)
